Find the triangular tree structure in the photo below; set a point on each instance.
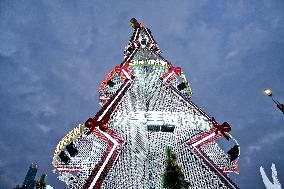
(146, 108)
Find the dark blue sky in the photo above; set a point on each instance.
(54, 54)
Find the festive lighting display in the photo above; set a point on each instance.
(146, 109)
(275, 184)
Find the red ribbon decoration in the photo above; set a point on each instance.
(103, 123)
(125, 67)
(177, 70)
(91, 123)
(225, 127)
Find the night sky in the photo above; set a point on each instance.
(54, 55)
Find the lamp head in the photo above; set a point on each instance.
(268, 92)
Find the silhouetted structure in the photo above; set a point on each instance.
(29, 181)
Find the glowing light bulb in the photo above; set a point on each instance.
(268, 92)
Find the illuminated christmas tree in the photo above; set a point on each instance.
(173, 178)
(146, 109)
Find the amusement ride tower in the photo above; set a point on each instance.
(146, 108)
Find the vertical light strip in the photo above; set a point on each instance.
(134, 51)
(115, 143)
(168, 76)
(136, 33)
(204, 139)
(112, 102)
(126, 74)
(213, 166)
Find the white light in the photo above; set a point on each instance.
(268, 92)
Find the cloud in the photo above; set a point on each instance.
(248, 39)
(44, 128)
(8, 42)
(262, 143)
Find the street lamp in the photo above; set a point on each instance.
(268, 92)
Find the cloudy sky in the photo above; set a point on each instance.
(54, 54)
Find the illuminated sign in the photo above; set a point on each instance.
(148, 62)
